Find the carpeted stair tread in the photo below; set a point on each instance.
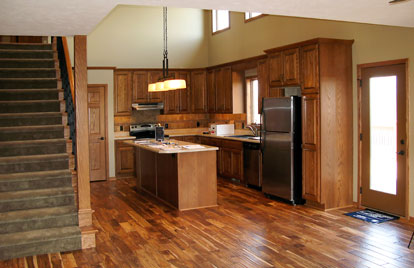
(32, 147)
(26, 54)
(31, 119)
(28, 73)
(26, 46)
(35, 180)
(39, 132)
(35, 194)
(27, 63)
(31, 94)
(16, 83)
(30, 106)
(32, 219)
(40, 242)
(29, 163)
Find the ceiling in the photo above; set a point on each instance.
(80, 17)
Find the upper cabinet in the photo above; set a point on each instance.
(211, 91)
(140, 87)
(153, 77)
(262, 78)
(123, 93)
(310, 68)
(198, 91)
(283, 67)
(220, 90)
(178, 101)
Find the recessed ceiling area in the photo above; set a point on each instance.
(79, 17)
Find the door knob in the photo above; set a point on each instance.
(402, 152)
(102, 138)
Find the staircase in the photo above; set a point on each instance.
(38, 214)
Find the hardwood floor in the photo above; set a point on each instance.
(245, 230)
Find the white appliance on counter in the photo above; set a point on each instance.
(222, 129)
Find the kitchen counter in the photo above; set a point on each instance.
(171, 146)
(123, 135)
(181, 178)
(193, 132)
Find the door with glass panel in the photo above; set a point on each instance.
(383, 139)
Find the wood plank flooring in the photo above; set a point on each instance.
(245, 230)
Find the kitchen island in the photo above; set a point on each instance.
(181, 174)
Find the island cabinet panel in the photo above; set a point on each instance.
(167, 180)
(211, 91)
(284, 68)
(262, 78)
(140, 87)
(148, 170)
(153, 77)
(124, 160)
(199, 92)
(310, 68)
(123, 93)
(216, 143)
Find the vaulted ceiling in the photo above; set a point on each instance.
(73, 17)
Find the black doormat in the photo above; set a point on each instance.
(372, 216)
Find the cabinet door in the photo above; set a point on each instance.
(291, 67)
(154, 76)
(171, 100)
(198, 90)
(262, 78)
(237, 164)
(227, 85)
(184, 94)
(123, 93)
(125, 160)
(211, 92)
(276, 69)
(140, 87)
(310, 69)
(275, 92)
(311, 144)
(220, 93)
(226, 168)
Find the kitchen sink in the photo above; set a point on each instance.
(250, 137)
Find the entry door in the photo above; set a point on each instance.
(383, 138)
(98, 152)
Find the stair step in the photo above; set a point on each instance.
(38, 198)
(26, 46)
(31, 119)
(33, 219)
(35, 180)
(32, 147)
(16, 83)
(30, 106)
(31, 94)
(28, 73)
(31, 132)
(41, 241)
(27, 63)
(26, 54)
(29, 163)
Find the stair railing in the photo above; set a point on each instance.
(66, 75)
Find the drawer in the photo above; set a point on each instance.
(238, 145)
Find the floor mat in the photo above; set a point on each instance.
(372, 216)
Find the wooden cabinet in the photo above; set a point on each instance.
(326, 67)
(140, 87)
(310, 68)
(178, 101)
(284, 67)
(153, 77)
(211, 91)
(199, 92)
(263, 81)
(124, 159)
(122, 93)
(224, 90)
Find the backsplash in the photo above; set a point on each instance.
(122, 123)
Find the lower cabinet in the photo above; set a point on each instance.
(124, 160)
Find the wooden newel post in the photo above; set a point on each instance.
(82, 143)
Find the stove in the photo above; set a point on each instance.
(143, 131)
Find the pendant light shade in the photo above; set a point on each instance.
(166, 83)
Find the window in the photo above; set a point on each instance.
(220, 20)
(252, 101)
(250, 15)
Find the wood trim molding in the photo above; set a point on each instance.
(101, 68)
(69, 69)
(407, 88)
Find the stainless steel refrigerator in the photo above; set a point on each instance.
(281, 140)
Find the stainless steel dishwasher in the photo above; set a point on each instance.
(252, 159)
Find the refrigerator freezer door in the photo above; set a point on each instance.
(277, 114)
(277, 165)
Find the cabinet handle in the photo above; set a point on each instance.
(102, 138)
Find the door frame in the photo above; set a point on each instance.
(407, 123)
(105, 86)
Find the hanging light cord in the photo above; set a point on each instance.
(165, 52)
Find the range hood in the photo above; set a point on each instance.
(148, 106)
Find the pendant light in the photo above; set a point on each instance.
(166, 83)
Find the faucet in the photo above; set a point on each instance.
(253, 129)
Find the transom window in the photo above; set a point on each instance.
(221, 20)
(250, 15)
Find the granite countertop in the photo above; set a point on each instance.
(123, 135)
(173, 147)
